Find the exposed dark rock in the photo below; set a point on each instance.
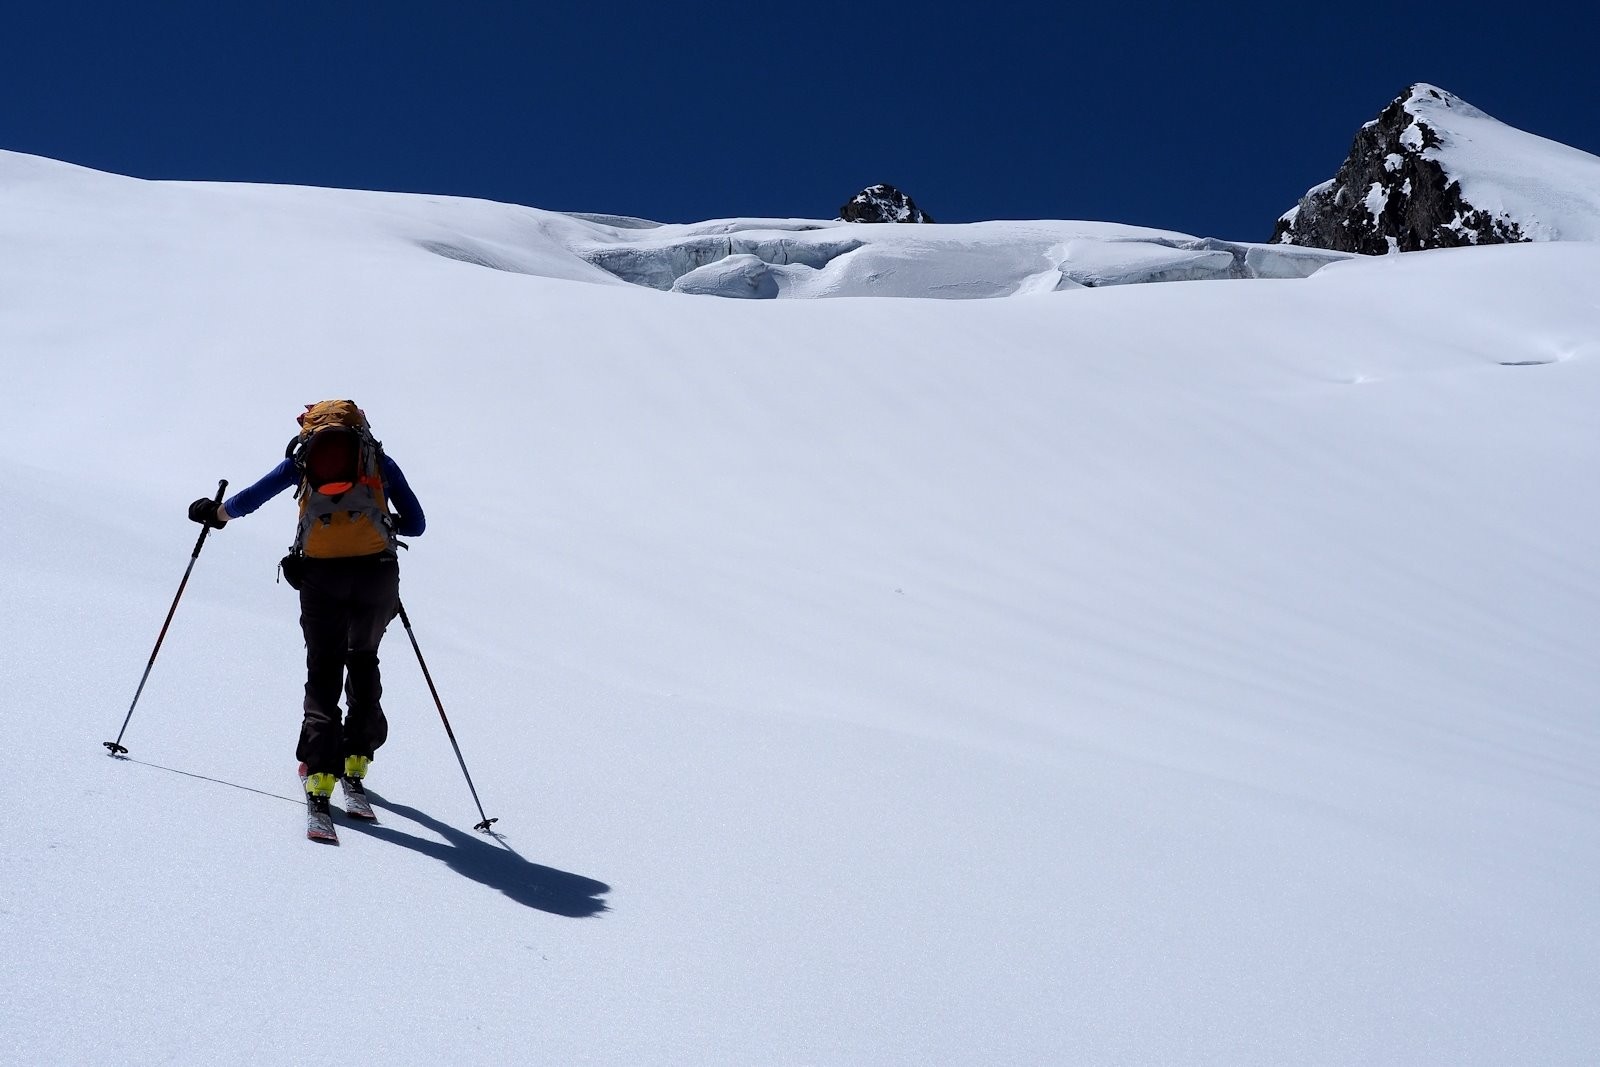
(882, 203)
(1392, 193)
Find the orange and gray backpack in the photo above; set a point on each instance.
(342, 508)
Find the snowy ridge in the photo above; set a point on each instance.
(764, 258)
(1432, 171)
(1549, 190)
(1135, 674)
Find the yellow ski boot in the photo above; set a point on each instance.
(356, 804)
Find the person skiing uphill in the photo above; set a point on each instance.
(345, 566)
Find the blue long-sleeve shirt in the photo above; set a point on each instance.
(409, 520)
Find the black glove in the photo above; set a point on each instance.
(204, 511)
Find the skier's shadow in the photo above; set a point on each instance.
(494, 863)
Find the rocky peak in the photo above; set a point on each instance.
(1396, 191)
(882, 203)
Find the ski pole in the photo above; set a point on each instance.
(487, 822)
(115, 748)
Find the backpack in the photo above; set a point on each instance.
(342, 507)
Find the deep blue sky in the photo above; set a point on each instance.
(1208, 118)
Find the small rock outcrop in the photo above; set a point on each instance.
(1396, 191)
(882, 203)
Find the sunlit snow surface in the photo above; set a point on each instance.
(762, 258)
(1180, 673)
(1550, 190)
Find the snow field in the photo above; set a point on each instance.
(1165, 673)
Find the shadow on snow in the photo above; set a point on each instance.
(488, 859)
(483, 858)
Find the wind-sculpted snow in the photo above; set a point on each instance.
(748, 259)
(740, 257)
(660, 264)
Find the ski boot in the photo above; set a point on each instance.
(319, 816)
(356, 804)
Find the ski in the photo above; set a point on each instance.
(319, 819)
(356, 804)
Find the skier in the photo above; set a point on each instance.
(344, 564)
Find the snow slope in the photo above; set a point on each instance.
(1432, 171)
(1551, 190)
(1190, 673)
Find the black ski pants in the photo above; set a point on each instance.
(345, 606)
